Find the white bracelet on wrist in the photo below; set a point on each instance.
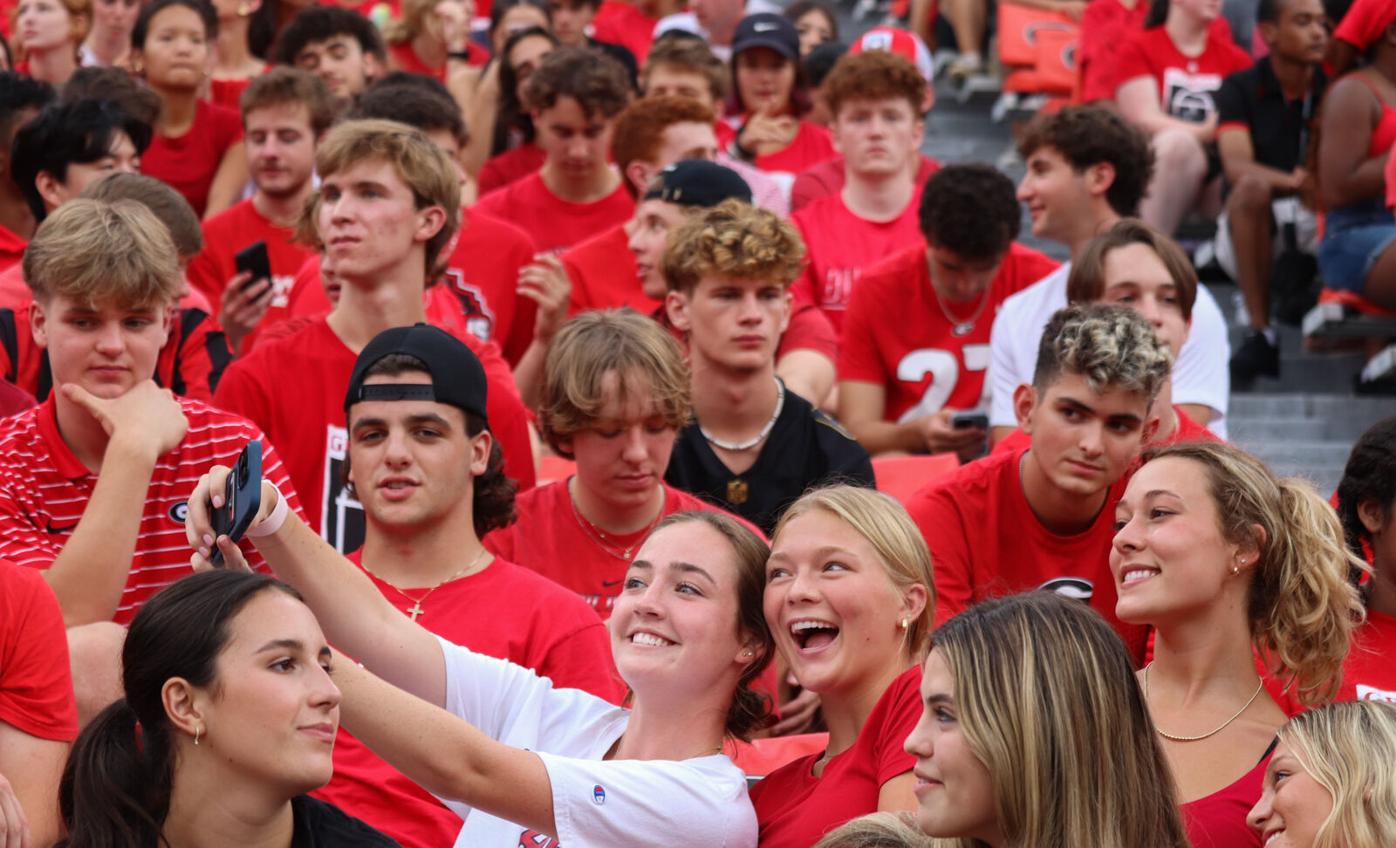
(274, 521)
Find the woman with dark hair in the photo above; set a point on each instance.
(504, 122)
(1366, 503)
(229, 719)
(815, 23)
(769, 99)
(197, 148)
(480, 90)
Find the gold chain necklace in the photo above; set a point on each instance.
(599, 537)
(416, 608)
(1224, 725)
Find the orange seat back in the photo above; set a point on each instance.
(1020, 29)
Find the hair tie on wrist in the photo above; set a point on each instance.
(274, 521)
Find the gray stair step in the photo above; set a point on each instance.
(1329, 428)
(1368, 410)
(1300, 454)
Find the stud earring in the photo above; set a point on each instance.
(904, 623)
(198, 731)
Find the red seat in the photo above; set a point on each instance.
(1022, 28)
(763, 756)
(902, 476)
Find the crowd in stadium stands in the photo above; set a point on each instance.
(658, 448)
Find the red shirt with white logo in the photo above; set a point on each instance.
(1185, 83)
(44, 489)
(230, 231)
(555, 224)
(36, 685)
(188, 163)
(986, 542)
(840, 246)
(503, 611)
(294, 389)
(918, 359)
(1368, 672)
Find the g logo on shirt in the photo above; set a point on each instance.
(1372, 693)
(178, 512)
(534, 839)
(1076, 588)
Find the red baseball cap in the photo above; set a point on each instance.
(905, 44)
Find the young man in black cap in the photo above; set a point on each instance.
(753, 446)
(422, 461)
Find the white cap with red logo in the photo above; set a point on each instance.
(905, 44)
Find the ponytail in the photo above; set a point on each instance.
(115, 790)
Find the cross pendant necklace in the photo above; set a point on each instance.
(416, 608)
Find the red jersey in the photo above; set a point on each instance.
(1185, 84)
(553, 223)
(604, 275)
(795, 809)
(619, 22)
(234, 229)
(507, 167)
(1188, 430)
(309, 303)
(502, 611)
(228, 92)
(189, 162)
(402, 57)
(812, 144)
(830, 177)
(294, 389)
(36, 685)
(190, 364)
(13, 399)
(840, 246)
(986, 542)
(549, 537)
(918, 359)
(1219, 820)
(11, 247)
(1368, 674)
(44, 489)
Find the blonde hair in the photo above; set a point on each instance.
(425, 169)
(877, 830)
(597, 343)
(1110, 346)
(885, 524)
(1348, 749)
(411, 23)
(1048, 701)
(1301, 605)
(99, 252)
(734, 240)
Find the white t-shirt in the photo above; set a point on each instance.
(597, 803)
(1200, 376)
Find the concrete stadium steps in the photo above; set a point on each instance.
(1304, 434)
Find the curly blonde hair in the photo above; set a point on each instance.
(734, 240)
(1301, 605)
(1110, 346)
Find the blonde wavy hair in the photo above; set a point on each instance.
(1048, 701)
(1110, 346)
(1349, 749)
(1301, 605)
(877, 830)
(734, 240)
(645, 358)
(884, 522)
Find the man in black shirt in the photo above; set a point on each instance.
(753, 446)
(1264, 117)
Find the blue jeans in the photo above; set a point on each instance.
(1355, 237)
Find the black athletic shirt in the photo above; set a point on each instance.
(322, 825)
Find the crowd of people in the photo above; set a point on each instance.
(579, 340)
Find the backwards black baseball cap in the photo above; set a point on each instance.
(697, 182)
(457, 377)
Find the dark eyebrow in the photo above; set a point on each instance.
(293, 645)
(686, 567)
(421, 418)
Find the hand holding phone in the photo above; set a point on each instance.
(242, 497)
(968, 420)
(254, 260)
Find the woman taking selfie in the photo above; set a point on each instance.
(849, 601)
(229, 719)
(1227, 563)
(1034, 733)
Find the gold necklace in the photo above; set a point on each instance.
(597, 535)
(1224, 725)
(416, 608)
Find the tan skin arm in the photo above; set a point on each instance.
(228, 181)
(1345, 173)
(807, 373)
(30, 768)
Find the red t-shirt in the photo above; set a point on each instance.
(1106, 26)
(1368, 673)
(511, 165)
(234, 229)
(294, 389)
(503, 611)
(36, 686)
(1185, 83)
(795, 809)
(1188, 430)
(840, 246)
(310, 303)
(404, 58)
(11, 248)
(228, 92)
(812, 144)
(548, 537)
(829, 177)
(553, 223)
(13, 399)
(986, 542)
(604, 276)
(44, 489)
(618, 22)
(920, 362)
(1219, 820)
(189, 162)
(190, 364)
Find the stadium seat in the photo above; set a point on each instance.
(902, 476)
(1346, 315)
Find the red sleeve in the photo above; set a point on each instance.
(491, 177)
(203, 274)
(903, 711)
(582, 660)
(858, 356)
(1131, 62)
(229, 129)
(520, 253)
(500, 542)
(809, 330)
(36, 686)
(936, 514)
(201, 358)
(508, 418)
(13, 399)
(241, 393)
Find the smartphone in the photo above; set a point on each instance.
(966, 420)
(242, 497)
(253, 258)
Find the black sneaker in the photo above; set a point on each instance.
(1255, 357)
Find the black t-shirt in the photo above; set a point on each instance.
(322, 825)
(805, 448)
(1253, 98)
